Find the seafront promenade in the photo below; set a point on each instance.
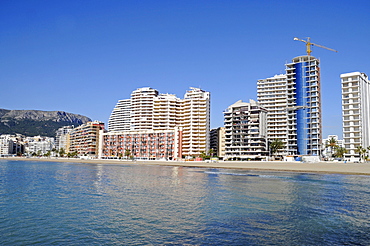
(318, 167)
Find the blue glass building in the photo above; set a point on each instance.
(304, 106)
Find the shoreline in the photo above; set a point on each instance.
(278, 166)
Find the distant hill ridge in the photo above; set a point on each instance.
(37, 122)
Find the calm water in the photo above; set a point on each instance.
(84, 204)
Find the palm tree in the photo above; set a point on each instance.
(127, 153)
(361, 151)
(340, 151)
(276, 146)
(332, 144)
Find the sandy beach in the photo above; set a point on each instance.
(318, 167)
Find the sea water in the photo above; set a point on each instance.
(50, 203)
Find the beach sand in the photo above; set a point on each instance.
(318, 167)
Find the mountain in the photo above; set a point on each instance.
(36, 122)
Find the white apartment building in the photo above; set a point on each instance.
(355, 112)
(272, 95)
(245, 131)
(11, 145)
(142, 107)
(150, 110)
(61, 139)
(39, 145)
(120, 118)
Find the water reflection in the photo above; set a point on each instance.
(73, 203)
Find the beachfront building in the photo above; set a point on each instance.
(355, 112)
(272, 95)
(217, 141)
(39, 145)
(149, 110)
(120, 118)
(304, 106)
(195, 121)
(11, 145)
(245, 131)
(61, 138)
(84, 139)
(142, 145)
(293, 101)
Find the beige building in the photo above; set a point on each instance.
(150, 110)
(84, 139)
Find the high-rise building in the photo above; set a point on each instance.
(195, 121)
(293, 101)
(245, 131)
(120, 118)
(150, 111)
(304, 106)
(355, 112)
(142, 106)
(272, 95)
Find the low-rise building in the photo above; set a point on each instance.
(38, 145)
(11, 145)
(144, 145)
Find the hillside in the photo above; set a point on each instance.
(36, 122)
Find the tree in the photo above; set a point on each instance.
(361, 151)
(62, 152)
(332, 144)
(340, 151)
(127, 153)
(276, 146)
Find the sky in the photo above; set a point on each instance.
(82, 56)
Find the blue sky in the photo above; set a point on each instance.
(83, 56)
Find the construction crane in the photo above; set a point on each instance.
(309, 44)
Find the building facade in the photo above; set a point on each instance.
(293, 101)
(272, 95)
(11, 145)
(85, 138)
(61, 138)
(39, 145)
(142, 145)
(355, 112)
(120, 118)
(245, 131)
(217, 141)
(150, 110)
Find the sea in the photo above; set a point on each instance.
(52, 203)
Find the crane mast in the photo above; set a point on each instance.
(309, 44)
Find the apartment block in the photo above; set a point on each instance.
(355, 112)
(245, 131)
(84, 139)
(293, 101)
(38, 144)
(272, 95)
(149, 110)
(142, 145)
(304, 106)
(62, 136)
(120, 118)
(217, 141)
